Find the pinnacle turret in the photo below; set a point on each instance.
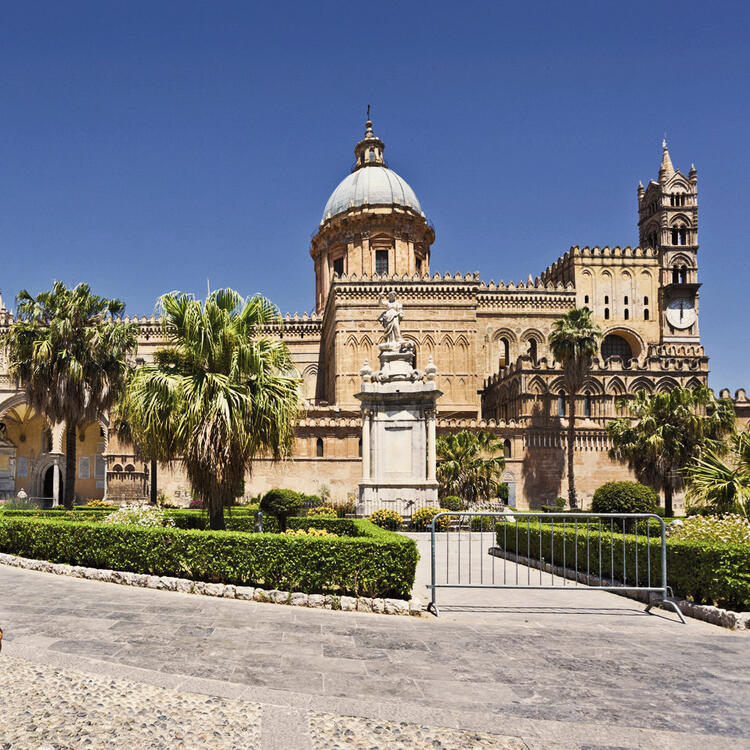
(666, 170)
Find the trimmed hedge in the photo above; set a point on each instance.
(706, 573)
(375, 563)
(624, 497)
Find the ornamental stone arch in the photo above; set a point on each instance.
(537, 386)
(593, 387)
(309, 382)
(502, 349)
(679, 220)
(616, 387)
(634, 340)
(532, 340)
(461, 354)
(666, 385)
(641, 384)
(694, 383)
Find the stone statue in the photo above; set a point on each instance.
(391, 318)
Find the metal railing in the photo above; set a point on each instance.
(620, 552)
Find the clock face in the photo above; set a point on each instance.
(681, 313)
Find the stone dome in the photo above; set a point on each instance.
(372, 185)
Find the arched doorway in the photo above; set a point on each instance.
(48, 483)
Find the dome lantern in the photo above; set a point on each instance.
(369, 151)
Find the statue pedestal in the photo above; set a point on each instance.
(398, 434)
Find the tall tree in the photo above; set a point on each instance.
(574, 342)
(469, 464)
(71, 358)
(219, 395)
(666, 431)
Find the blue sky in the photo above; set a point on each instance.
(148, 146)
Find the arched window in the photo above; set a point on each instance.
(606, 313)
(626, 314)
(645, 314)
(675, 236)
(626, 299)
(683, 236)
(507, 448)
(616, 346)
(586, 300)
(504, 352)
(606, 299)
(561, 404)
(675, 275)
(359, 448)
(371, 154)
(587, 405)
(645, 301)
(533, 350)
(319, 447)
(683, 274)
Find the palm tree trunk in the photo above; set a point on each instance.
(71, 434)
(571, 448)
(216, 514)
(668, 498)
(153, 492)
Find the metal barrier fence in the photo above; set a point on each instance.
(551, 551)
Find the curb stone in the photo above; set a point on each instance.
(412, 607)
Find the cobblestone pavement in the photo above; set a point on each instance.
(49, 708)
(588, 672)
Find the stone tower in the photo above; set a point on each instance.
(372, 225)
(668, 222)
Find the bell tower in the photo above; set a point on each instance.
(668, 223)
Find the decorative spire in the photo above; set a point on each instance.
(369, 151)
(666, 169)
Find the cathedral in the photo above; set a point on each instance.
(488, 341)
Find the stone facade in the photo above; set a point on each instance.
(488, 340)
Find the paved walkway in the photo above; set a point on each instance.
(553, 674)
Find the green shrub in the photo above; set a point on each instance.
(387, 519)
(374, 563)
(345, 508)
(483, 523)
(702, 571)
(452, 502)
(421, 519)
(503, 492)
(624, 497)
(338, 526)
(322, 510)
(281, 504)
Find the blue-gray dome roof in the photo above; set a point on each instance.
(370, 185)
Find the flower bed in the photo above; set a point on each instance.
(374, 563)
(706, 572)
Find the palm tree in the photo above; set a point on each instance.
(722, 483)
(574, 343)
(666, 431)
(469, 464)
(71, 358)
(219, 395)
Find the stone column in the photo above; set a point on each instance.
(431, 451)
(366, 471)
(55, 484)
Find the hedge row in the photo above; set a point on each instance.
(378, 563)
(706, 573)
